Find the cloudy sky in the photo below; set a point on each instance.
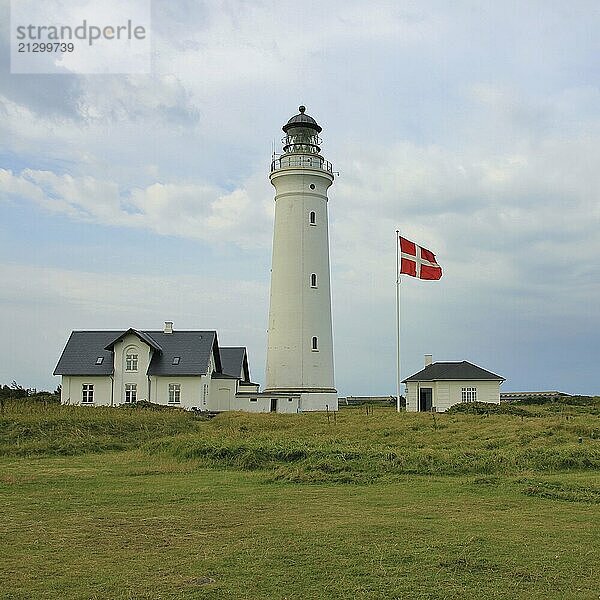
(473, 127)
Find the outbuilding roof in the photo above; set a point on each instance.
(453, 371)
(193, 349)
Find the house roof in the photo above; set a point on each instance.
(193, 348)
(82, 352)
(235, 362)
(453, 371)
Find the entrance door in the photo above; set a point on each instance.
(425, 399)
(273, 404)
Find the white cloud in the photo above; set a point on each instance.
(192, 211)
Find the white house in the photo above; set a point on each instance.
(175, 368)
(440, 385)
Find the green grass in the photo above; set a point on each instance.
(136, 504)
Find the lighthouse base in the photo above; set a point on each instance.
(310, 401)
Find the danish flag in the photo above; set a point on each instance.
(417, 261)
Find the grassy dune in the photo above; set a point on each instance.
(130, 504)
(313, 447)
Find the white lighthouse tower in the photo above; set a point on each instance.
(300, 339)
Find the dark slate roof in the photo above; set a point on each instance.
(82, 350)
(192, 347)
(452, 371)
(235, 362)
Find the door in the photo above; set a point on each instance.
(273, 404)
(224, 399)
(425, 399)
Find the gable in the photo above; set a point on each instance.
(142, 335)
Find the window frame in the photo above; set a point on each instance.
(312, 218)
(314, 344)
(87, 393)
(131, 362)
(468, 394)
(130, 393)
(174, 393)
(314, 281)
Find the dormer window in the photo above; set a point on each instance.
(100, 360)
(176, 360)
(131, 362)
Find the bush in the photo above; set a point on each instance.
(475, 408)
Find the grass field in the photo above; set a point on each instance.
(112, 503)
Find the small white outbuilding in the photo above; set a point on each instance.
(440, 385)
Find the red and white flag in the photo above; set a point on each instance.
(417, 261)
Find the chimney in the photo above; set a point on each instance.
(168, 327)
(428, 359)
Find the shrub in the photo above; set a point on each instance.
(474, 408)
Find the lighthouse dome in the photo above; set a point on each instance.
(302, 120)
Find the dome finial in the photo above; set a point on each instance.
(302, 109)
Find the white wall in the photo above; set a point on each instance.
(191, 388)
(287, 404)
(447, 393)
(71, 389)
(222, 394)
(250, 403)
(131, 344)
(259, 403)
(298, 311)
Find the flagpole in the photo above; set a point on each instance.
(397, 320)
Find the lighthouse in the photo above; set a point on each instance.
(300, 339)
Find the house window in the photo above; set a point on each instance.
(131, 362)
(174, 393)
(315, 344)
(312, 217)
(100, 360)
(87, 393)
(313, 280)
(130, 393)
(176, 360)
(469, 394)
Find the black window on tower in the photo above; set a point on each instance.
(315, 343)
(312, 217)
(313, 280)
